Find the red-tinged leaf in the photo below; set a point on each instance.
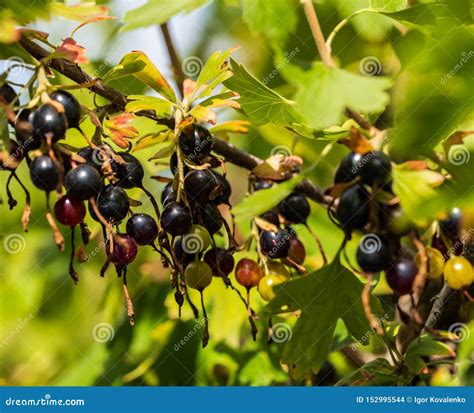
(414, 165)
(189, 86)
(356, 142)
(80, 12)
(71, 51)
(120, 129)
(277, 167)
(92, 20)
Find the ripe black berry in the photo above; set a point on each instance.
(260, 184)
(198, 186)
(275, 244)
(225, 190)
(24, 133)
(72, 108)
(452, 225)
(7, 92)
(195, 143)
(271, 216)
(113, 203)
(44, 173)
(183, 257)
(130, 174)
(220, 260)
(47, 121)
(210, 217)
(353, 209)
(174, 165)
(167, 192)
(294, 208)
(376, 168)
(124, 250)
(348, 169)
(83, 182)
(401, 275)
(69, 211)
(142, 228)
(176, 218)
(373, 254)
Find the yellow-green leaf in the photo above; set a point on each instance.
(80, 12)
(162, 107)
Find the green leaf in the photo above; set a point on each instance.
(377, 372)
(267, 18)
(260, 201)
(214, 72)
(314, 296)
(164, 152)
(80, 12)
(332, 133)
(419, 15)
(260, 103)
(140, 66)
(435, 95)
(325, 92)
(425, 346)
(156, 12)
(162, 108)
(415, 188)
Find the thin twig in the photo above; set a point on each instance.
(175, 61)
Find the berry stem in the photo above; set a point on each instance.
(128, 300)
(318, 241)
(174, 58)
(205, 335)
(72, 271)
(57, 236)
(25, 218)
(366, 304)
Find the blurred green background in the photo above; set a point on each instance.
(55, 333)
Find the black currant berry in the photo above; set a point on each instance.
(113, 203)
(225, 190)
(142, 228)
(353, 208)
(183, 257)
(373, 254)
(24, 133)
(210, 217)
(47, 121)
(376, 168)
(176, 219)
(260, 184)
(198, 186)
(452, 225)
(83, 182)
(195, 143)
(7, 93)
(69, 211)
(72, 107)
(174, 165)
(275, 244)
(271, 216)
(294, 208)
(130, 174)
(220, 260)
(16, 153)
(124, 250)
(167, 193)
(44, 173)
(348, 169)
(401, 275)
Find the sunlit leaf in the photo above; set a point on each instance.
(163, 108)
(81, 12)
(120, 129)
